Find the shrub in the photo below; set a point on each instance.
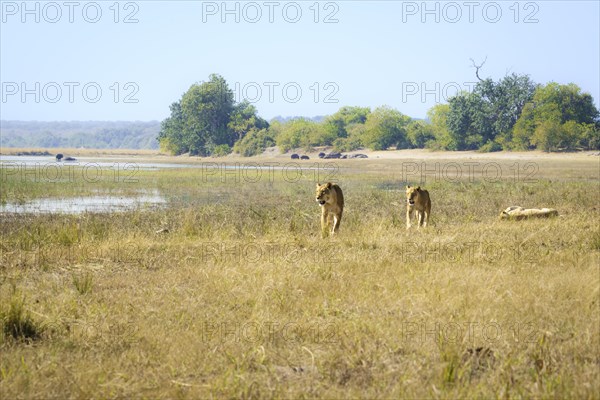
(221, 150)
(490, 146)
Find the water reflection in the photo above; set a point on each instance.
(78, 205)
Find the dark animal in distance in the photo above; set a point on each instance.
(295, 156)
(333, 155)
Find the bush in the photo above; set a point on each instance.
(347, 144)
(490, 147)
(300, 133)
(435, 145)
(221, 150)
(419, 133)
(254, 143)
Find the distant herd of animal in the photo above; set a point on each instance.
(60, 157)
(330, 198)
(332, 155)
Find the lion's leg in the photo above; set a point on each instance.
(324, 218)
(419, 218)
(337, 219)
(425, 218)
(333, 224)
(407, 218)
(332, 221)
(427, 213)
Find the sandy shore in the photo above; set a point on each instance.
(273, 153)
(449, 155)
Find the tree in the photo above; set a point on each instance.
(206, 111)
(438, 117)
(299, 132)
(489, 113)
(244, 119)
(419, 133)
(590, 136)
(386, 127)
(549, 136)
(199, 120)
(207, 120)
(337, 123)
(571, 102)
(559, 117)
(469, 121)
(171, 137)
(507, 99)
(523, 129)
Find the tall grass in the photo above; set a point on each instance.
(17, 321)
(229, 291)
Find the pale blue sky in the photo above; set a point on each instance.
(378, 52)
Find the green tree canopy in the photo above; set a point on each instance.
(419, 134)
(438, 118)
(172, 138)
(513, 113)
(206, 118)
(244, 119)
(207, 108)
(337, 123)
(559, 117)
(489, 113)
(300, 132)
(386, 127)
(468, 121)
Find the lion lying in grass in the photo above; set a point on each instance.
(518, 213)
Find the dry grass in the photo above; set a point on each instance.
(241, 297)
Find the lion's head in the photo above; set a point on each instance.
(412, 194)
(323, 194)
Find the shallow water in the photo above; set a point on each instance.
(99, 162)
(48, 168)
(13, 163)
(78, 205)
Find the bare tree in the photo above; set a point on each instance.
(477, 67)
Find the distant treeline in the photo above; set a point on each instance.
(78, 134)
(513, 113)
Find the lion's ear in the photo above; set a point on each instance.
(328, 185)
(418, 188)
(318, 184)
(408, 186)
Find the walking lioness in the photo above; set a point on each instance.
(417, 200)
(331, 199)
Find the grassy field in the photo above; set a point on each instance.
(229, 290)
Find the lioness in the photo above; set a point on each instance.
(518, 213)
(417, 200)
(331, 199)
